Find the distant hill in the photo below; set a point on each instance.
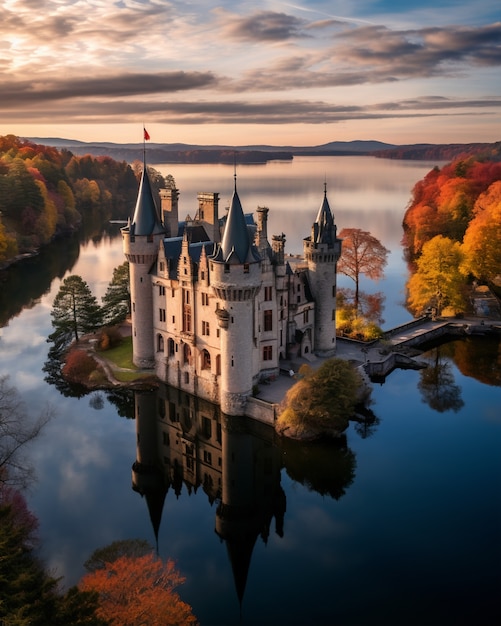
(191, 153)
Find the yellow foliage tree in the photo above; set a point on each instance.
(482, 240)
(440, 279)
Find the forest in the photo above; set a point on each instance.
(46, 193)
(452, 232)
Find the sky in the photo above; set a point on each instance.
(298, 73)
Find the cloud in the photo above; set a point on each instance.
(95, 61)
(111, 85)
(261, 26)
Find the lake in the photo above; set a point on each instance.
(399, 525)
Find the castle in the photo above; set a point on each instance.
(215, 308)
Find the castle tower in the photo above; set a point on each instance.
(235, 279)
(207, 214)
(147, 472)
(169, 199)
(141, 239)
(322, 251)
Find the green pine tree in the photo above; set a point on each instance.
(116, 300)
(75, 312)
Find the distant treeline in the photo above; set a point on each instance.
(46, 192)
(441, 152)
(196, 155)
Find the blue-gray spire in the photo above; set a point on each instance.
(146, 220)
(237, 245)
(324, 224)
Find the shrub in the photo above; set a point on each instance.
(78, 366)
(109, 337)
(322, 401)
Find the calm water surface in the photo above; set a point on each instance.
(399, 527)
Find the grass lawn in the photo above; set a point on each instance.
(121, 355)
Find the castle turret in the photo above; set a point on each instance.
(235, 280)
(141, 239)
(322, 251)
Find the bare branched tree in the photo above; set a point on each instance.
(17, 430)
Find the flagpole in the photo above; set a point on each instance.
(144, 146)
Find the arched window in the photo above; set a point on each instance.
(160, 343)
(172, 347)
(205, 360)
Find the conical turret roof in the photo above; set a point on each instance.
(146, 220)
(236, 246)
(324, 222)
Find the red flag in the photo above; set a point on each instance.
(146, 134)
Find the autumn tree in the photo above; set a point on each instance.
(116, 300)
(17, 430)
(481, 243)
(322, 400)
(361, 254)
(439, 280)
(134, 591)
(75, 311)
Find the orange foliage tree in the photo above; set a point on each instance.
(443, 203)
(361, 253)
(481, 243)
(139, 590)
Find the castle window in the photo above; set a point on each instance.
(226, 268)
(173, 319)
(190, 463)
(172, 292)
(334, 314)
(299, 298)
(218, 365)
(186, 312)
(205, 360)
(267, 353)
(162, 266)
(205, 299)
(186, 353)
(333, 291)
(202, 275)
(206, 427)
(186, 378)
(207, 457)
(306, 316)
(161, 313)
(205, 328)
(268, 293)
(268, 320)
(246, 268)
(161, 290)
(160, 343)
(171, 347)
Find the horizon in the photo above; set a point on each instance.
(273, 73)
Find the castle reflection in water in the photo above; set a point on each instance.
(182, 440)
